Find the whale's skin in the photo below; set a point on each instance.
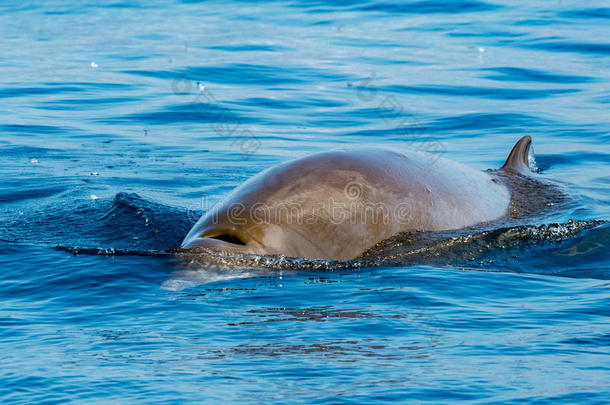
(335, 205)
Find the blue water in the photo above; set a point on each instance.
(121, 122)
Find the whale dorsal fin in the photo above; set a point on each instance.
(518, 158)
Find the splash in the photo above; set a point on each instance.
(531, 161)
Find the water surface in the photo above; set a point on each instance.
(121, 122)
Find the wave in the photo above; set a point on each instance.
(124, 222)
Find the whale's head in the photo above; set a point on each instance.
(263, 216)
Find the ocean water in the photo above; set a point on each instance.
(121, 122)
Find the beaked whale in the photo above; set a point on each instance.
(335, 205)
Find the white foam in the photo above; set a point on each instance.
(184, 279)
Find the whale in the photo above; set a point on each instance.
(335, 205)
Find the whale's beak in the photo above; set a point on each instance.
(220, 241)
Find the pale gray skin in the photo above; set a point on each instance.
(335, 205)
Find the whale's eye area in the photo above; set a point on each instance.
(226, 237)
